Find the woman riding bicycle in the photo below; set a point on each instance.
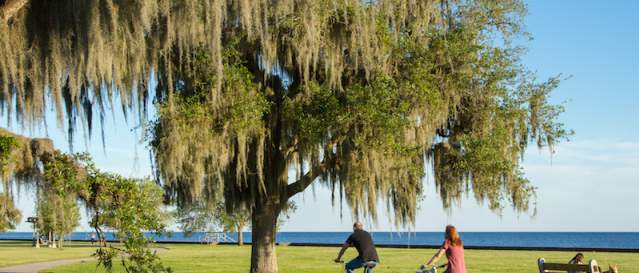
(453, 246)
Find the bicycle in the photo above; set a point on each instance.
(368, 266)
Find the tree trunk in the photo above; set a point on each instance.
(263, 256)
(101, 237)
(240, 234)
(52, 241)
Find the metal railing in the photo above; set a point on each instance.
(216, 237)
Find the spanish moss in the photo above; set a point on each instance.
(361, 96)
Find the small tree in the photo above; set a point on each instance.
(234, 221)
(99, 198)
(135, 206)
(196, 218)
(58, 216)
(63, 180)
(204, 217)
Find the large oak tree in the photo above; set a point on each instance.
(359, 96)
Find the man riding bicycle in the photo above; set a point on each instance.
(363, 242)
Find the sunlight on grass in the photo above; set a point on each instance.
(15, 253)
(234, 259)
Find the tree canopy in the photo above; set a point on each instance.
(132, 208)
(360, 96)
(56, 176)
(19, 160)
(10, 216)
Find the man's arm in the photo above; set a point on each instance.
(341, 252)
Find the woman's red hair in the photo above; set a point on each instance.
(453, 236)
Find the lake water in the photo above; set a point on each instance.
(625, 240)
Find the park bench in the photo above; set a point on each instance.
(544, 267)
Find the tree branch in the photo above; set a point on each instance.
(290, 148)
(306, 180)
(317, 170)
(8, 8)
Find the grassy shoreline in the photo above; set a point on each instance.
(393, 246)
(298, 259)
(233, 259)
(20, 252)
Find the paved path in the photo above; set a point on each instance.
(37, 267)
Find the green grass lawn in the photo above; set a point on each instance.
(19, 252)
(234, 259)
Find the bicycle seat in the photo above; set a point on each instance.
(369, 264)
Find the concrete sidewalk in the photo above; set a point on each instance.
(38, 267)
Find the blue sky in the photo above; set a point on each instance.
(590, 184)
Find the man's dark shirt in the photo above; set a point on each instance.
(364, 243)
